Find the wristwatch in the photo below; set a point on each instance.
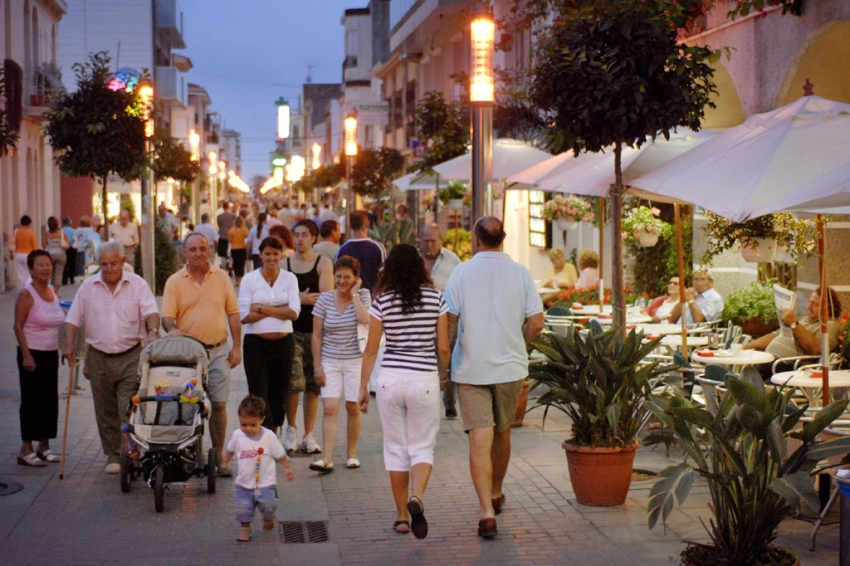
(794, 325)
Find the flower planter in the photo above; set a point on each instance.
(600, 476)
(37, 100)
(567, 225)
(456, 203)
(764, 250)
(647, 240)
(519, 416)
(756, 328)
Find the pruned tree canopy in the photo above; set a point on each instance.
(374, 170)
(171, 160)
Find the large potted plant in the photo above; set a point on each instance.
(760, 238)
(755, 478)
(601, 383)
(752, 308)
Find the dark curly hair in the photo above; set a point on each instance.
(404, 273)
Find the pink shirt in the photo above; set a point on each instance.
(41, 328)
(114, 322)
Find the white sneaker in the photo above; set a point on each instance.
(290, 442)
(309, 445)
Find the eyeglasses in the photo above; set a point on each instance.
(673, 283)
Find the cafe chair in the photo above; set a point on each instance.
(839, 428)
(559, 311)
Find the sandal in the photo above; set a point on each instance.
(352, 463)
(49, 456)
(320, 466)
(397, 527)
(31, 460)
(418, 524)
(244, 534)
(268, 525)
(224, 472)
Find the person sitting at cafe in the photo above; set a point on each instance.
(588, 263)
(804, 338)
(661, 307)
(562, 275)
(702, 302)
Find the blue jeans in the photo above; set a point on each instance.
(247, 501)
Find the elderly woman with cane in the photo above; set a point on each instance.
(38, 318)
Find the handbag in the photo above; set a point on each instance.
(65, 244)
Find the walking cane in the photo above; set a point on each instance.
(71, 371)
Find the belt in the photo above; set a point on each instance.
(212, 346)
(108, 355)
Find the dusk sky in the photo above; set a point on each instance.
(248, 54)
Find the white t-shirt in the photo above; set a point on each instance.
(246, 450)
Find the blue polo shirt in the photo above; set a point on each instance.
(493, 296)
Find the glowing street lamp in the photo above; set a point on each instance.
(283, 116)
(350, 154)
(194, 144)
(481, 94)
(146, 100)
(317, 155)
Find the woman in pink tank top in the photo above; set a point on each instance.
(38, 317)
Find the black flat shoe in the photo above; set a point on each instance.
(418, 524)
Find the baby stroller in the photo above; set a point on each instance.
(164, 437)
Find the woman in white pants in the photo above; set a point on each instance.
(413, 315)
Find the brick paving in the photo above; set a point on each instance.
(86, 520)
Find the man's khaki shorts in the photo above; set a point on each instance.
(489, 406)
(303, 377)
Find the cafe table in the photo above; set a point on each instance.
(631, 319)
(810, 381)
(659, 328)
(728, 358)
(675, 341)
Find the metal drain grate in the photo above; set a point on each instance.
(296, 532)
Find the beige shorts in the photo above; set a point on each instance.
(489, 406)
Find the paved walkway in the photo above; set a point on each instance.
(84, 519)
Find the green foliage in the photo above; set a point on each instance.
(165, 258)
(613, 72)
(755, 478)
(374, 170)
(651, 268)
(8, 134)
(753, 301)
(459, 241)
(171, 160)
(453, 190)
(392, 233)
(443, 128)
(744, 7)
(722, 234)
(599, 381)
(97, 131)
(325, 176)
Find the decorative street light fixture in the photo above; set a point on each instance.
(350, 154)
(481, 95)
(146, 99)
(283, 113)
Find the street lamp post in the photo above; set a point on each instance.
(146, 97)
(481, 94)
(213, 171)
(350, 154)
(195, 144)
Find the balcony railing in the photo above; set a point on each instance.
(168, 85)
(168, 17)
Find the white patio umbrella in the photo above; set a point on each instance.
(794, 158)
(509, 157)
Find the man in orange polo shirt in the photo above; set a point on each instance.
(199, 302)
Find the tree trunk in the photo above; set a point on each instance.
(618, 296)
(103, 181)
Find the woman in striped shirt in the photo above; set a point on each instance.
(337, 357)
(413, 316)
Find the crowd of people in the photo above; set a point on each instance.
(315, 317)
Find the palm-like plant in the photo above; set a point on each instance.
(755, 479)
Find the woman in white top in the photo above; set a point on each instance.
(337, 358)
(660, 308)
(413, 315)
(268, 303)
(38, 317)
(255, 237)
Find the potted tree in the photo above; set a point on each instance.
(755, 478)
(758, 238)
(752, 308)
(452, 194)
(601, 383)
(568, 211)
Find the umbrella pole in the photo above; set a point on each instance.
(823, 315)
(601, 253)
(680, 257)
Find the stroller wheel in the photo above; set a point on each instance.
(211, 471)
(125, 471)
(159, 488)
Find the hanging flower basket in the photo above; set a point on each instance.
(456, 203)
(454, 191)
(566, 225)
(642, 227)
(647, 240)
(756, 250)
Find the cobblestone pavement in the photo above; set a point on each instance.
(84, 519)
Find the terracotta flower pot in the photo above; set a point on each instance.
(600, 476)
(756, 328)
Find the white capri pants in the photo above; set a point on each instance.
(342, 376)
(409, 403)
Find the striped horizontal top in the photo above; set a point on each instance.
(339, 329)
(411, 337)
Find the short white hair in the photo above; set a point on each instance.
(110, 246)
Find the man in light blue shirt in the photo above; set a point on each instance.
(497, 312)
(704, 304)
